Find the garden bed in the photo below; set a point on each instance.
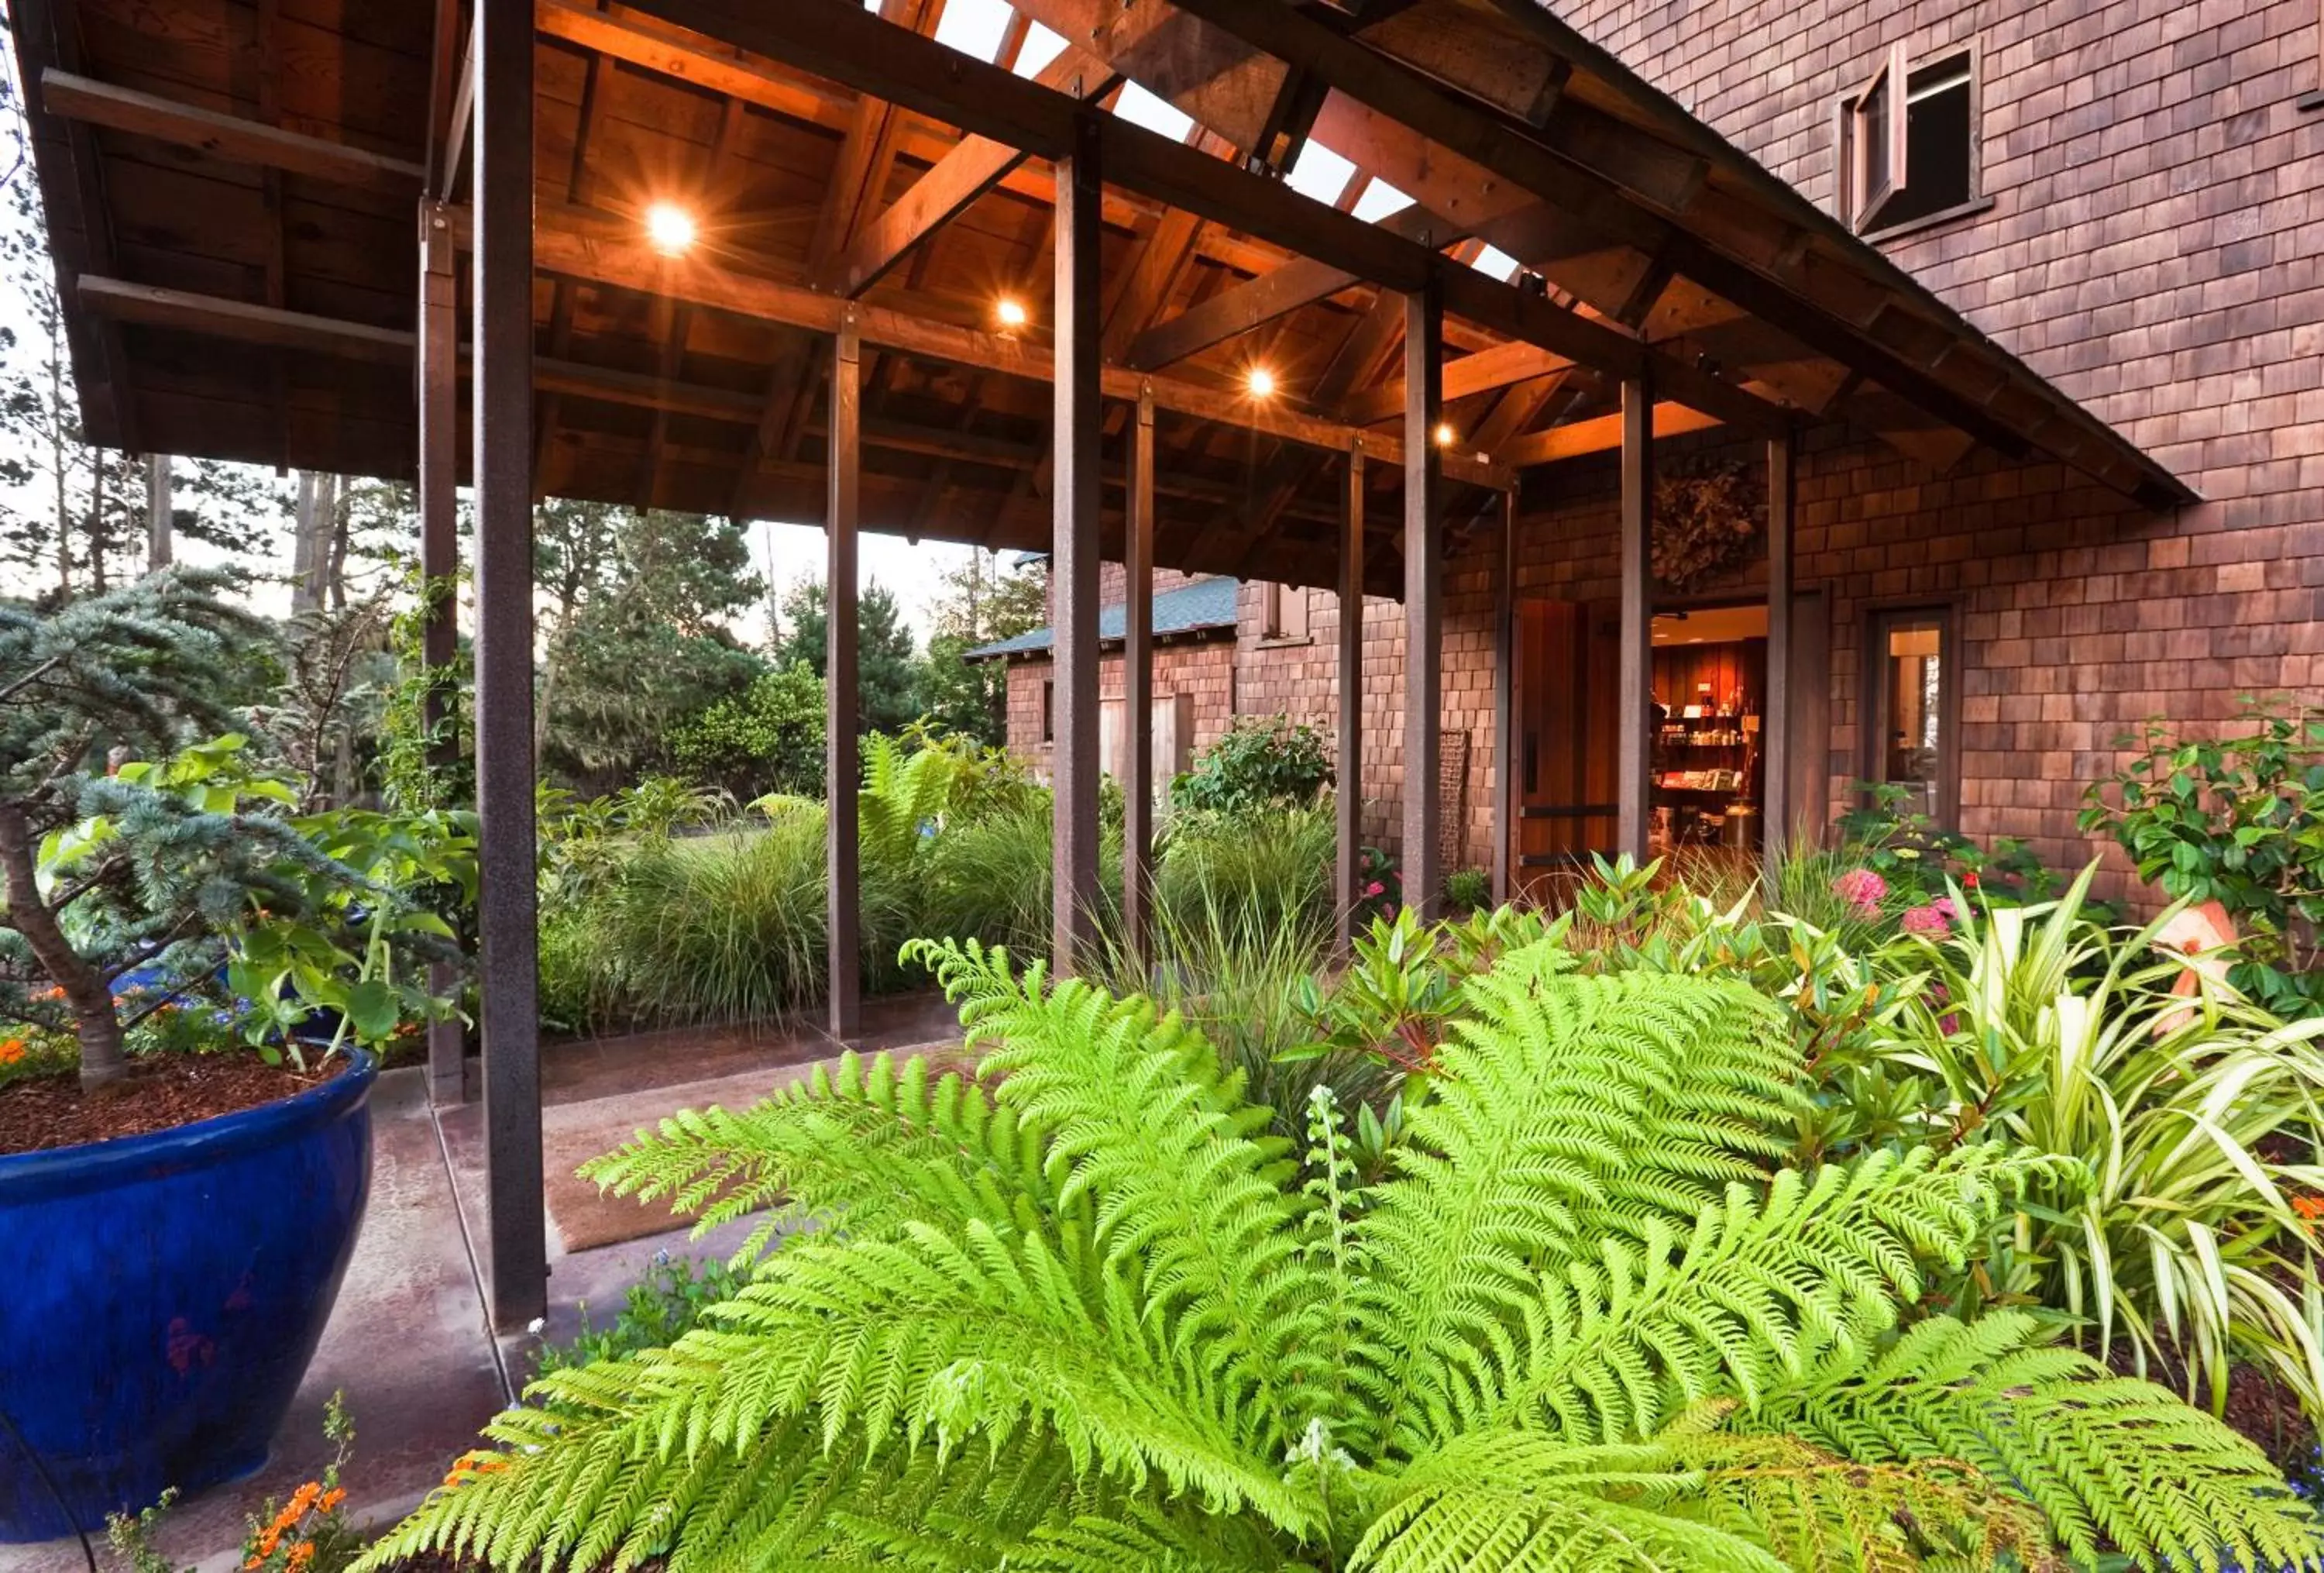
(160, 1093)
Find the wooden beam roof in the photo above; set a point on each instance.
(268, 215)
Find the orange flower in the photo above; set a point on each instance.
(2308, 1206)
(12, 1051)
(303, 1499)
(332, 1498)
(301, 1554)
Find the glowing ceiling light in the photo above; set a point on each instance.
(1010, 312)
(1445, 435)
(1261, 382)
(669, 228)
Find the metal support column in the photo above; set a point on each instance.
(1348, 857)
(1775, 805)
(1505, 753)
(1073, 550)
(516, 1251)
(1637, 670)
(1137, 686)
(438, 376)
(843, 459)
(1424, 609)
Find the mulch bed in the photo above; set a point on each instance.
(159, 1094)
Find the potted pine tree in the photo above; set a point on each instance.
(190, 975)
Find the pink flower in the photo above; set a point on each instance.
(1932, 922)
(1374, 889)
(1862, 889)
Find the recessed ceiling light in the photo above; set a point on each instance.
(670, 228)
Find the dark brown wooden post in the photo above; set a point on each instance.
(842, 460)
(1137, 685)
(507, 921)
(1423, 584)
(1073, 549)
(439, 559)
(1637, 670)
(1775, 805)
(1504, 656)
(1348, 858)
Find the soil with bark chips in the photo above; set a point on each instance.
(159, 1094)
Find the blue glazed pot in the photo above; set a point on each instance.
(163, 1296)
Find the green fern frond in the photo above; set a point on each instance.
(1569, 1113)
(2103, 1457)
(877, 1143)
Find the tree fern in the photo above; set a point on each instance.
(1080, 1315)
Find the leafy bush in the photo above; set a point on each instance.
(2195, 1113)
(1272, 761)
(2240, 821)
(1468, 890)
(658, 1309)
(1917, 861)
(1076, 1315)
(770, 738)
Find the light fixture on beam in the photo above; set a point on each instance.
(1445, 436)
(670, 229)
(1260, 382)
(1011, 313)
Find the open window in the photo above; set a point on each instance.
(1908, 142)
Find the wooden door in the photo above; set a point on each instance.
(1567, 685)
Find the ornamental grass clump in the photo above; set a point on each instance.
(1082, 1313)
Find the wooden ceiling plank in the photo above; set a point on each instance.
(1477, 373)
(226, 136)
(965, 174)
(1600, 434)
(838, 39)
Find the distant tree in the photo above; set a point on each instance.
(980, 602)
(888, 672)
(636, 636)
(769, 738)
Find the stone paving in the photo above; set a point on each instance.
(407, 1342)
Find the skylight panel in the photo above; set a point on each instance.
(974, 27)
(1379, 201)
(1495, 262)
(1141, 107)
(1319, 172)
(1041, 47)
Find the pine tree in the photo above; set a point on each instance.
(887, 672)
(136, 672)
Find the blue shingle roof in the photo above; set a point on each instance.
(1205, 603)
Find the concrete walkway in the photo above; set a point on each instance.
(407, 1343)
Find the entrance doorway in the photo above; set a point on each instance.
(1708, 764)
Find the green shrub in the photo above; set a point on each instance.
(659, 1309)
(1273, 762)
(2240, 821)
(1468, 890)
(770, 738)
(1080, 1313)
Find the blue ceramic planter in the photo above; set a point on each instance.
(162, 1295)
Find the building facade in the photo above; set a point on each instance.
(2127, 194)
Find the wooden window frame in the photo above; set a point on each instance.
(1872, 695)
(1274, 625)
(1860, 209)
(2315, 100)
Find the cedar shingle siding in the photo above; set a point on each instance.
(2152, 247)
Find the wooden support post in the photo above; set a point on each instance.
(844, 459)
(1505, 721)
(1137, 688)
(1423, 610)
(1637, 666)
(1074, 548)
(1348, 857)
(160, 522)
(438, 380)
(1775, 806)
(516, 1252)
